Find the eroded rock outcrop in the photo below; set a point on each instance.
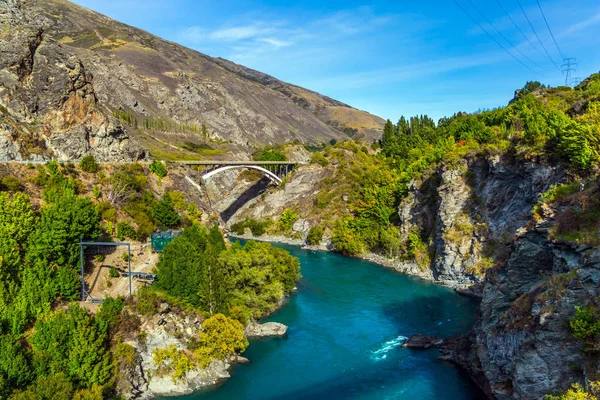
(49, 106)
(140, 378)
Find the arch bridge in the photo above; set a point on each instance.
(274, 170)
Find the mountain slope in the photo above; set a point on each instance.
(66, 71)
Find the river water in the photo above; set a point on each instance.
(347, 322)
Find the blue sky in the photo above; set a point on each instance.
(389, 58)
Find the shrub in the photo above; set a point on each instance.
(345, 240)
(172, 360)
(585, 326)
(319, 158)
(88, 164)
(239, 227)
(124, 230)
(11, 183)
(258, 228)
(158, 168)
(418, 250)
(287, 219)
(113, 273)
(221, 337)
(315, 235)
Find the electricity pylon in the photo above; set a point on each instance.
(568, 68)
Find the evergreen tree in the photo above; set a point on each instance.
(62, 224)
(214, 290)
(182, 265)
(163, 213)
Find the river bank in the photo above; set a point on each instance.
(347, 322)
(407, 268)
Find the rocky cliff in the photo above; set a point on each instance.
(74, 82)
(482, 237)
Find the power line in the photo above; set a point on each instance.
(493, 38)
(550, 30)
(519, 29)
(538, 38)
(504, 37)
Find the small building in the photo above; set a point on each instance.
(160, 239)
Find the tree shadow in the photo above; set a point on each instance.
(253, 191)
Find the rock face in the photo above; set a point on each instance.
(65, 71)
(142, 380)
(48, 102)
(471, 213)
(522, 338)
(268, 329)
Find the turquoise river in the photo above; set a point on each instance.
(347, 322)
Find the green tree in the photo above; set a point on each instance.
(88, 164)
(71, 342)
(315, 235)
(62, 224)
(17, 221)
(164, 214)
(213, 292)
(15, 368)
(183, 265)
(258, 275)
(220, 337)
(345, 240)
(158, 168)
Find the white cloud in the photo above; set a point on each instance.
(240, 32)
(276, 43)
(580, 26)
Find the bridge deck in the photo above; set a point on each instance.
(225, 162)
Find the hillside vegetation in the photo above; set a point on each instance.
(52, 346)
(358, 200)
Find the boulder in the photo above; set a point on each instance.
(268, 329)
(423, 342)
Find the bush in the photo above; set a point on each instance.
(239, 228)
(345, 240)
(158, 168)
(221, 337)
(585, 326)
(172, 360)
(88, 164)
(11, 183)
(315, 235)
(287, 219)
(258, 228)
(124, 230)
(113, 273)
(319, 158)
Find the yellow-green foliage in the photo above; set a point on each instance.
(287, 219)
(577, 392)
(221, 337)
(315, 235)
(585, 326)
(345, 239)
(418, 250)
(173, 361)
(178, 200)
(319, 158)
(480, 268)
